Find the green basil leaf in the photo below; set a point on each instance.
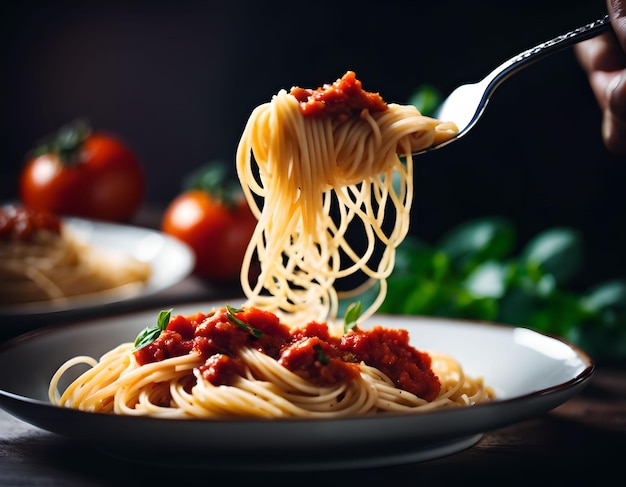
(146, 337)
(230, 314)
(164, 319)
(352, 315)
(151, 333)
(488, 280)
(610, 295)
(556, 251)
(476, 241)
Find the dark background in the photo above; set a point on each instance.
(178, 80)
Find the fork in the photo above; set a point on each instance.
(465, 105)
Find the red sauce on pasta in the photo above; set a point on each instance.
(20, 223)
(309, 351)
(342, 99)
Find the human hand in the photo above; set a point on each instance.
(604, 60)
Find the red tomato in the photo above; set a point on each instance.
(91, 175)
(217, 232)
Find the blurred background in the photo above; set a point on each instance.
(177, 81)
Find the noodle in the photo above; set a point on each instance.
(117, 384)
(306, 166)
(317, 177)
(53, 266)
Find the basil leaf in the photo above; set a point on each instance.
(556, 251)
(607, 297)
(164, 319)
(240, 323)
(151, 333)
(476, 241)
(488, 280)
(352, 315)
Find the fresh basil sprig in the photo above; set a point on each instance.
(151, 333)
(230, 314)
(353, 313)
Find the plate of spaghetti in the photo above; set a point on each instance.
(490, 376)
(50, 264)
(300, 372)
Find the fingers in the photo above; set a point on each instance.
(602, 53)
(614, 115)
(617, 12)
(604, 60)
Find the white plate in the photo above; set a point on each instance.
(531, 373)
(170, 262)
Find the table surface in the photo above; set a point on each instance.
(579, 441)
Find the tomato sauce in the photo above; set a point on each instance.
(308, 351)
(341, 100)
(21, 223)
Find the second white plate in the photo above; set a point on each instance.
(170, 262)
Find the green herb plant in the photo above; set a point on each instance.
(475, 272)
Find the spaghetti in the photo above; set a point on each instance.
(40, 260)
(326, 160)
(206, 366)
(327, 163)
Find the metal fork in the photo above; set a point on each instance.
(465, 105)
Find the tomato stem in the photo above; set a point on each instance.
(67, 142)
(213, 179)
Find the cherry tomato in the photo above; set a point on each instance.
(217, 231)
(85, 174)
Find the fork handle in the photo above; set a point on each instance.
(544, 49)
